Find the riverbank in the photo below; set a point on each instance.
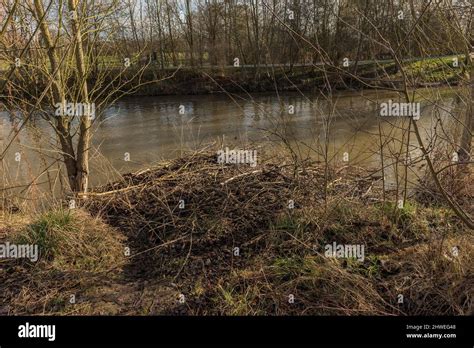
(192, 236)
(431, 72)
(152, 80)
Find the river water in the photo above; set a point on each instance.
(137, 132)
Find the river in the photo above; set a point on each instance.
(137, 132)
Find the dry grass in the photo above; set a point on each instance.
(190, 249)
(72, 240)
(75, 250)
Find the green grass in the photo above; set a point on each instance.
(44, 231)
(286, 268)
(400, 216)
(369, 268)
(73, 240)
(435, 69)
(239, 303)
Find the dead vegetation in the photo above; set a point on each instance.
(228, 239)
(75, 252)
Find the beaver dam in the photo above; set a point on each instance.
(193, 236)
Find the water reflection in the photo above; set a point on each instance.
(153, 128)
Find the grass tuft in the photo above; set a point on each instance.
(73, 240)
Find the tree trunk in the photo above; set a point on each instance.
(464, 151)
(62, 122)
(82, 161)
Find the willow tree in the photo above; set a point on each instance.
(72, 39)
